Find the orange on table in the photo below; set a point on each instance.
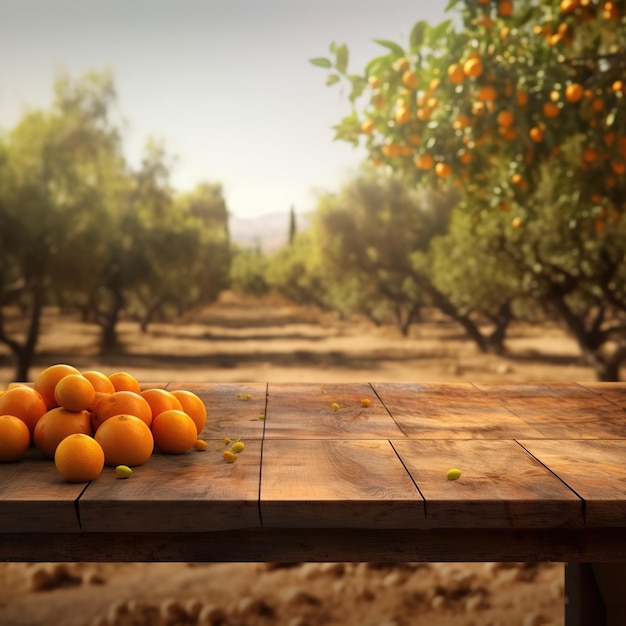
(126, 440)
(57, 424)
(79, 458)
(123, 381)
(14, 438)
(47, 380)
(74, 392)
(100, 381)
(174, 432)
(118, 403)
(160, 400)
(192, 405)
(23, 402)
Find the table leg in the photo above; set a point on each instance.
(595, 594)
(583, 602)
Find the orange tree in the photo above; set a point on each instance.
(517, 84)
(496, 100)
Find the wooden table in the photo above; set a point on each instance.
(543, 479)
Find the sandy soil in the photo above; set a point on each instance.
(271, 340)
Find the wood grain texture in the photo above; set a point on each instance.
(612, 392)
(34, 497)
(191, 492)
(450, 410)
(304, 411)
(595, 469)
(233, 409)
(501, 486)
(322, 483)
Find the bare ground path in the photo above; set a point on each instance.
(245, 339)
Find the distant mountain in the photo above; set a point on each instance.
(268, 232)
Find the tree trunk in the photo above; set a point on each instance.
(23, 353)
(502, 319)
(151, 310)
(441, 302)
(590, 341)
(109, 342)
(606, 368)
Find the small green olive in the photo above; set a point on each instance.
(123, 471)
(453, 474)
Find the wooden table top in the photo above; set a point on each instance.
(543, 477)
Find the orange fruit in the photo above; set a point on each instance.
(101, 382)
(57, 424)
(14, 438)
(126, 440)
(367, 126)
(74, 392)
(550, 109)
(174, 432)
(391, 150)
(23, 402)
(536, 134)
(590, 155)
(456, 74)
(401, 64)
(403, 116)
(127, 402)
(574, 92)
(505, 118)
(160, 400)
(79, 458)
(443, 170)
(47, 380)
(505, 8)
(619, 167)
(473, 67)
(192, 405)
(410, 79)
(424, 161)
(487, 93)
(123, 381)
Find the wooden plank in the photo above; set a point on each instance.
(449, 411)
(195, 491)
(612, 392)
(347, 484)
(34, 497)
(295, 545)
(564, 411)
(594, 469)
(501, 486)
(233, 409)
(304, 411)
(558, 389)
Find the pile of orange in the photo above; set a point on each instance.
(86, 420)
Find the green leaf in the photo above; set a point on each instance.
(451, 5)
(341, 55)
(392, 45)
(439, 31)
(372, 67)
(358, 85)
(416, 39)
(321, 62)
(332, 79)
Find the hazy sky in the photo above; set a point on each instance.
(226, 84)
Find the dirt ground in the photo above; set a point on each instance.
(245, 340)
